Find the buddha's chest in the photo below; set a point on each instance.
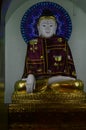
(44, 49)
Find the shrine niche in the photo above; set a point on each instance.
(49, 70)
(49, 96)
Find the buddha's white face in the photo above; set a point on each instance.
(47, 28)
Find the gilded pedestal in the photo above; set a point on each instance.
(62, 110)
(50, 116)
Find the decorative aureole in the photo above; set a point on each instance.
(30, 19)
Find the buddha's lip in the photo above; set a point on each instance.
(47, 32)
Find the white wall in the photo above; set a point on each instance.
(15, 47)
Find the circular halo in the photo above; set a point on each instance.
(29, 20)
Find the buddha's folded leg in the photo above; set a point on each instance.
(42, 85)
(20, 85)
(68, 84)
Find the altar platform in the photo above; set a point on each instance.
(66, 113)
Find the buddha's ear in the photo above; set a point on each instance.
(55, 28)
(38, 27)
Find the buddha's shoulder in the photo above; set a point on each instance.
(60, 39)
(33, 41)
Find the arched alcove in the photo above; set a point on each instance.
(15, 47)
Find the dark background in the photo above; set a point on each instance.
(3, 107)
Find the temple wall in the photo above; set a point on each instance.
(2, 64)
(15, 47)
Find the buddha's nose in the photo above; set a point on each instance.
(47, 28)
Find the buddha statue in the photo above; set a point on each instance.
(49, 62)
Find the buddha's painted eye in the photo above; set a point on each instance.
(51, 25)
(44, 25)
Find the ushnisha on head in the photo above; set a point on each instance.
(47, 24)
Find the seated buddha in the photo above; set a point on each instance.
(49, 62)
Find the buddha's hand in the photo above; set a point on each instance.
(30, 83)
